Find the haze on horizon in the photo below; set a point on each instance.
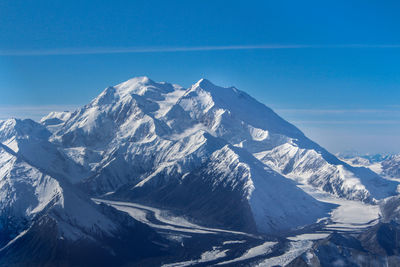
(329, 68)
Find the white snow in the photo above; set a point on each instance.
(207, 256)
(262, 249)
(233, 242)
(349, 215)
(14, 239)
(376, 167)
(313, 236)
(296, 248)
(165, 219)
(24, 189)
(60, 117)
(167, 104)
(213, 255)
(144, 130)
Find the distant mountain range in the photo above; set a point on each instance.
(387, 165)
(212, 155)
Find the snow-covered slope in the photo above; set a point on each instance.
(358, 161)
(387, 165)
(126, 112)
(36, 207)
(213, 154)
(391, 166)
(55, 118)
(142, 136)
(24, 192)
(244, 122)
(29, 140)
(13, 129)
(131, 131)
(234, 190)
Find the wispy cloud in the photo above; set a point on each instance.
(121, 50)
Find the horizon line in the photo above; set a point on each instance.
(128, 50)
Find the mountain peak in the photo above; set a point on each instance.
(134, 83)
(140, 79)
(205, 84)
(21, 128)
(143, 85)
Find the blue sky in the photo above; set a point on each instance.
(330, 67)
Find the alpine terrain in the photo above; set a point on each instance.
(150, 173)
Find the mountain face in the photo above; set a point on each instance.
(153, 136)
(141, 137)
(54, 120)
(377, 246)
(141, 128)
(371, 158)
(391, 166)
(386, 165)
(44, 218)
(210, 154)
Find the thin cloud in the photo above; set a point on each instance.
(127, 50)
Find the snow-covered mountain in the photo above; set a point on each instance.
(387, 165)
(44, 217)
(371, 158)
(391, 166)
(139, 128)
(144, 137)
(140, 137)
(30, 140)
(378, 245)
(55, 119)
(358, 161)
(210, 154)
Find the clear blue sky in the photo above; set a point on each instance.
(330, 67)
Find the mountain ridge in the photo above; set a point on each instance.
(142, 132)
(218, 111)
(214, 155)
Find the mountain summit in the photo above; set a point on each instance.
(141, 111)
(212, 154)
(156, 141)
